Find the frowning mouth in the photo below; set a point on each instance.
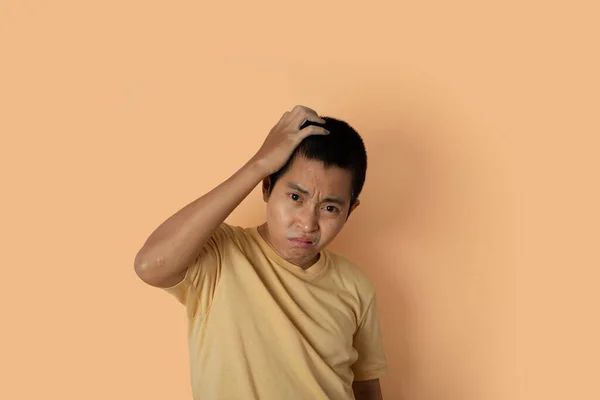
(301, 242)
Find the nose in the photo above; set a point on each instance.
(307, 219)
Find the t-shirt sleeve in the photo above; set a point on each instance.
(371, 362)
(196, 290)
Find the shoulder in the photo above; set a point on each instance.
(231, 239)
(351, 275)
(228, 234)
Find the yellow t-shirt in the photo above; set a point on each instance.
(261, 328)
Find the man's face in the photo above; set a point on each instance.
(306, 209)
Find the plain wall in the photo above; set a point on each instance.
(479, 218)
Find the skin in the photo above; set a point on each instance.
(309, 202)
(316, 208)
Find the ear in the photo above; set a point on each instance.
(356, 204)
(266, 186)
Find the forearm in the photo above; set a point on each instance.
(171, 248)
(367, 390)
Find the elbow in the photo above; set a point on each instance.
(145, 269)
(153, 271)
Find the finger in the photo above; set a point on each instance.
(284, 116)
(315, 118)
(301, 120)
(299, 110)
(297, 116)
(313, 130)
(307, 110)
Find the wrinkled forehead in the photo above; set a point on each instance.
(313, 177)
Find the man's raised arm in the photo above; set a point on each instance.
(165, 256)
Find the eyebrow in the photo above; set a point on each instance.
(336, 200)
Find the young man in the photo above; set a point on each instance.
(272, 314)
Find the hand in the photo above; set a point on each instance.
(285, 136)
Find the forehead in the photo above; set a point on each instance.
(314, 176)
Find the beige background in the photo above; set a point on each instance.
(479, 221)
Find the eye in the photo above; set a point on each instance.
(294, 196)
(331, 209)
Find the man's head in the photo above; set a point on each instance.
(311, 197)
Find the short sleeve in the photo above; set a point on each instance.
(371, 362)
(197, 288)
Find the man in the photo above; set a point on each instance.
(272, 314)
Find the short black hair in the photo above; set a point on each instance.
(343, 147)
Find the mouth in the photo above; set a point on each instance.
(302, 243)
